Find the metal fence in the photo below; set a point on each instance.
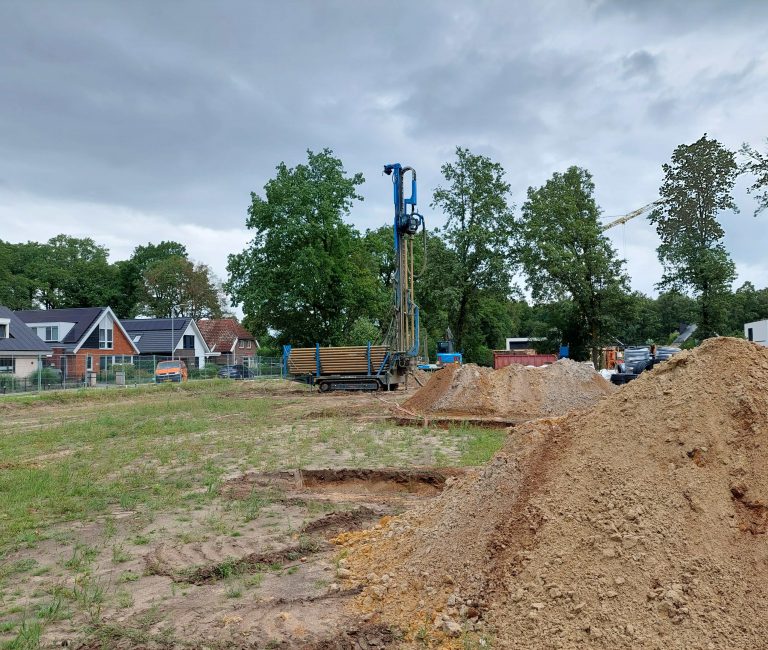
(31, 373)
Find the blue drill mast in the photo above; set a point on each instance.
(404, 335)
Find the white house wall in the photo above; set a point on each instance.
(25, 366)
(759, 331)
(199, 350)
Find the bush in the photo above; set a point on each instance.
(7, 380)
(45, 377)
(209, 372)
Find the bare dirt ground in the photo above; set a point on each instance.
(639, 523)
(222, 536)
(201, 516)
(515, 393)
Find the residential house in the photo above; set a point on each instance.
(234, 343)
(169, 337)
(21, 351)
(757, 331)
(83, 339)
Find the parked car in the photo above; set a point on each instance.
(235, 372)
(171, 371)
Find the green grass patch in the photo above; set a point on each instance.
(79, 455)
(477, 445)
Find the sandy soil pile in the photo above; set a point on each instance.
(514, 392)
(638, 524)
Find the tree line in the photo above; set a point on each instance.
(309, 276)
(158, 280)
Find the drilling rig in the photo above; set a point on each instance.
(375, 367)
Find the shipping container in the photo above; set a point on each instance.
(503, 358)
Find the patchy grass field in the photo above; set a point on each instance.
(117, 527)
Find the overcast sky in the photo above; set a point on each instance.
(139, 121)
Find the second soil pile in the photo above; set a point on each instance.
(515, 392)
(638, 524)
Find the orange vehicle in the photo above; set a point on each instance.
(171, 371)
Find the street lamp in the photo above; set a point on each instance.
(172, 338)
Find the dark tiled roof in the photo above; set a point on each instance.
(22, 339)
(221, 333)
(82, 317)
(155, 333)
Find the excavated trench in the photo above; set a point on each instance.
(345, 484)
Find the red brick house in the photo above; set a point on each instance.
(88, 339)
(231, 340)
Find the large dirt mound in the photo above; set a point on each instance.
(516, 392)
(640, 523)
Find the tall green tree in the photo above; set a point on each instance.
(566, 257)
(21, 267)
(746, 305)
(148, 254)
(697, 186)
(63, 272)
(756, 164)
(175, 286)
(305, 276)
(674, 309)
(478, 232)
(131, 274)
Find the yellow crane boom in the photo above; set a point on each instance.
(631, 215)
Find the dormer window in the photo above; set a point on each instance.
(5, 327)
(49, 333)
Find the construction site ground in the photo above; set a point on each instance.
(261, 515)
(199, 516)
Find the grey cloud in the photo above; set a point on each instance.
(180, 109)
(640, 64)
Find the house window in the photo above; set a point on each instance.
(89, 363)
(105, 338)
(241, 345)
(189, 342)
(249, 345)
(7, 364)
(3, 330)
(750, 335)
(49, 334)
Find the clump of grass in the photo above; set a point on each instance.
(128, 576)
(254, 580)
(228, 568)
(82, 557)
(124, 599)
(27, 636)
(88, 593)
(110, 527)
(17, 567)
(234, 590)
(119, 554)
(53, 610)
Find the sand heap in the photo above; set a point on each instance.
(514, 392)
(640, 523)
